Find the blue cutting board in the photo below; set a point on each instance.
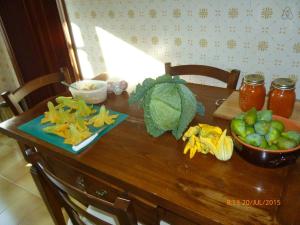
(35, 128)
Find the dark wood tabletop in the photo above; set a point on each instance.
(202, 189)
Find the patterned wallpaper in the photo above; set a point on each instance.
(254, 36)
(8, 80)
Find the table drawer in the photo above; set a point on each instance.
(147, 213)
(84, 182)
(173, 218)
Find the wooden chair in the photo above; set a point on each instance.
(13, 99)
(122, 208)
(81, 207)
(231, 78)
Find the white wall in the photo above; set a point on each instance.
(132, 39)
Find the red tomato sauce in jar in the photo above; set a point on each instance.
(282, 97)
(252, 92)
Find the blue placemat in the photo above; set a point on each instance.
(35, 128)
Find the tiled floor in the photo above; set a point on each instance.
(20, 202)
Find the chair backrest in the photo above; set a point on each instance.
(231, 78)
(13, 99)
(122, 208)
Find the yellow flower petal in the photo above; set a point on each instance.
(193, 152)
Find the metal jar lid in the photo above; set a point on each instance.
(284, 83)
(254, 79)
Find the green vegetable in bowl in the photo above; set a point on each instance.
(241, 116)
(285, 143)
(168, 105)
(250, 117)
(265, 115)
(254, 139)
(258, 129)
(242, 138)
(250, 130)
(264, 143)
(262, 127)
(277, 125)
(238, 126)
(272, 136)
(273, 147)
(292, 135)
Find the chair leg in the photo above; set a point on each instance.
(52, 202)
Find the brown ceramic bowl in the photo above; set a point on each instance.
(269, 158)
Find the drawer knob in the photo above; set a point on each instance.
(101, 193)
(80, 183)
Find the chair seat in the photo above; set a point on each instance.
(105, 217)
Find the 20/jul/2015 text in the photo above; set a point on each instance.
(253, 202)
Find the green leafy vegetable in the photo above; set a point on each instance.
(168, 105)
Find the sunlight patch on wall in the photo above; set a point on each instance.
(124, 61)
(85, 65)
(77, 35)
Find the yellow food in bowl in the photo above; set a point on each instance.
(88, 87)
(92, 91)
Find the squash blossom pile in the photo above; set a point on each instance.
(205, 138)
(70, 119)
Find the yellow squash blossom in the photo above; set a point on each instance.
(191, 131)
(75, 136)
(102, 118)
(205, 138)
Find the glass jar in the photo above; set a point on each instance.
(282, 97)
(252, 92)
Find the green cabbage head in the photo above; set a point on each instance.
(168, 105)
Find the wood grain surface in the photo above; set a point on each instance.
(230, 108)
(203, 190)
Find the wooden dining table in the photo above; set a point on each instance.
(163, 183)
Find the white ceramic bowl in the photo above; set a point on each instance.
(92, 91)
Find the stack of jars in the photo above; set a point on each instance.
(281, 99)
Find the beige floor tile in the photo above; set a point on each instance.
(8, 146)
(39, 217)
(20, 203)
(28, 184)
(13, 167)
(6, 140)
(10, 193)
(7, 193)
(12, 164)
(25, 210)
(17, 205)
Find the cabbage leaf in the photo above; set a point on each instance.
(168, 105)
